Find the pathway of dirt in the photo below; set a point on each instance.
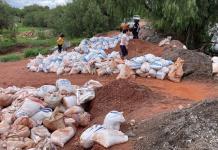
(15, 73)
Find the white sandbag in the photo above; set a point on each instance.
(139, 71)
(133, 64)
(215, 68)
(6, 99)
(108, 137)
(113, 120)
(86, 138)
(41, 115)
(84, 95)
(4, 127)
(62, 136)
(29, 107)
(45, 89)
(53, 100)
(160, 75)
(145, 67)
(39, 133)
(60, 70)
(70, 122)
(69, 101)
(64, 86)
(11, 90)
(215, 59)
(150, 58)
(152, 73)
(73, 110)
(92, 84)
(165, 70)
(157, 65)
(125, 72)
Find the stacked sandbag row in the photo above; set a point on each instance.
(99, 43)
(150, 65)
(43, 117)
(68, 62)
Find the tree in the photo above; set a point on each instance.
(187, 20)
(6, 19)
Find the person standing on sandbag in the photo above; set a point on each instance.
(60, 42)
(135, 29)
(124, 44)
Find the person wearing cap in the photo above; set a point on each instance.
(60, 42)
(136, 28)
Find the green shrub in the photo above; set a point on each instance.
(6, 43)
(76, 41)
(32, 52)
(11, 57)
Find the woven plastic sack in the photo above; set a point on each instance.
(19, 131)
(113, 120)
(53, 100)
(62, 136)
(69, 101)
(86, 138)
(56, 121)
(145, 67)
(5, 99)
(41, 115)
(92, 84)
(73, 110)
(108, 137)
(64, 86)
(45, 89)
(30, 107)
(160, 75)
(84, 95)
(39, 133)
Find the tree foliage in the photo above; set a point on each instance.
(6, 19)
(187, 20)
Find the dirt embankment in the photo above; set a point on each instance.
(194, 128)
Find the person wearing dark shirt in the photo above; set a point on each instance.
(135, 29)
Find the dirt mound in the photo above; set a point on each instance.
(197, 65)
(121, 95)
(193, 128)
(139, 48)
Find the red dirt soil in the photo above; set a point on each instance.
(139, 48)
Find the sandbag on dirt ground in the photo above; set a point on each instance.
(196, 65)
(193, 128)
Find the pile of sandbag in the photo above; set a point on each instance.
(77, 61)
(107, 134)
(168, 42)
(150, 65)
(98, 43)
(44, 117)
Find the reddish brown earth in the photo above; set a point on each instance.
(139, 98)
(139, 48)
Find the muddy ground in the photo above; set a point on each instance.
(139, 99)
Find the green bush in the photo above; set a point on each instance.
(6, 43)
(11, 57)
(32, 52)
